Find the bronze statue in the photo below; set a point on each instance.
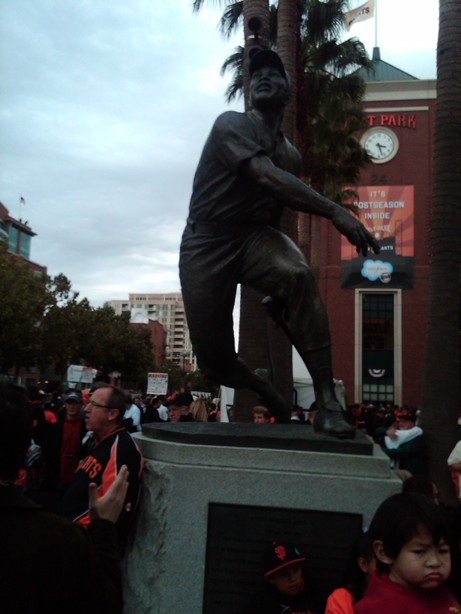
(246, 174)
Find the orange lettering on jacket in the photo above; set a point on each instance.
(91, 466)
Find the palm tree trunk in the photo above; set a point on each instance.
(260, 343)
(441, 381)
(254, 9)
(287, 48)
(253, 337)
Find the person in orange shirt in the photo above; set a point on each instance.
(359, 568)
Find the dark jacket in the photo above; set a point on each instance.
(411, 456)
(52, 456)
(50, 565)
(101, 466)
(271, 601)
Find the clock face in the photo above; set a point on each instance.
(381, 144)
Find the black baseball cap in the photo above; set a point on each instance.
(266, 57)
(180, 399)
(279, 555)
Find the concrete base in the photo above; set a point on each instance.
(165, 564)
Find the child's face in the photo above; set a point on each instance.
(288, 580)
(421, 563)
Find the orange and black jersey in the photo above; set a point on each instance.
(101, 467)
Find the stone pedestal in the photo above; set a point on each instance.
(188, 478)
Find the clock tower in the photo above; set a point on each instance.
(377, 305)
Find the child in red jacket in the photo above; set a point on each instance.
(411, 543)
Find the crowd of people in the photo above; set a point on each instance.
(394, 428)
(70, 477)
(78, 438)
(408, 562)
(61, 437)
(67, 561)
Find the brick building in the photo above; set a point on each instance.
(157, 337)
(168, 310)
(378, 305)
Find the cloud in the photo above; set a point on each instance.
(105, 107)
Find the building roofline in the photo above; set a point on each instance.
(21, 225)
(6, 217)
(419, 89)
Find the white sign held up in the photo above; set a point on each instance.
(157, 383)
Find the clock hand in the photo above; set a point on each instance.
(380, 147)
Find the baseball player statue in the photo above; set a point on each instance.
(247, 173)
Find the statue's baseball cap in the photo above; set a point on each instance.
(265, 57)
(278, 555)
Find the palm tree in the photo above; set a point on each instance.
(254, 326)
(288, 47)
(280, 364)
(329, 112)
(329, 99)
(441, 377)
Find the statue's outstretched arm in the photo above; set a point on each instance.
(296, 194)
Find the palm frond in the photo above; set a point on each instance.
(197, 4)
(234, 64)
(323, 20)
(235, 88)
(231, 19)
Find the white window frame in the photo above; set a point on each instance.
(358, 341)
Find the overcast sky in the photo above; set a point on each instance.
(105, 106)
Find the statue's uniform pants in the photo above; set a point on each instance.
(213, 262)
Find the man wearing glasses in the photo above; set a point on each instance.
(113, 448)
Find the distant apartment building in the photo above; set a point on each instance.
(168, 310)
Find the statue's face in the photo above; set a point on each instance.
(268, 88)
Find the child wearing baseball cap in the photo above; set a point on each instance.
(285, 591)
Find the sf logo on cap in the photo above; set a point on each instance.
(280, 552)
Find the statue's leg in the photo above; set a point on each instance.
(329, 418)
(297, 306)
(209, 289)
(217, 358)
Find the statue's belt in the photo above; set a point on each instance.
(221, 228)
